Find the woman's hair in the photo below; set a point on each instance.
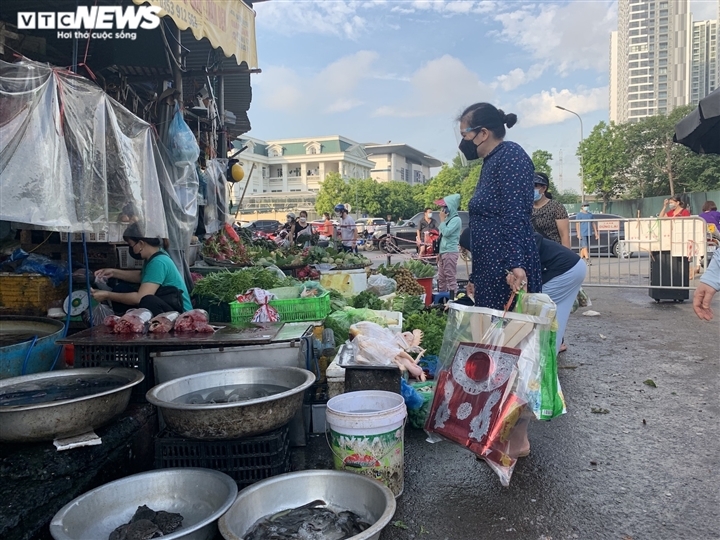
(133, 233)
(709, 206)
(485, 115)
(679, 200)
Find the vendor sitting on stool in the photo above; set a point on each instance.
(158, 287)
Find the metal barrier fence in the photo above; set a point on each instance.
(664, 255)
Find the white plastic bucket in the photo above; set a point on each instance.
(366, 435)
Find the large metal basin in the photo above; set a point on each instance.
(366, 497)
(200, 495)
(13, 353)
(231, 420)
(65, 418)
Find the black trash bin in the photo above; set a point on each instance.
(669, 271)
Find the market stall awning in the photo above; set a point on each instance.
(228, 24)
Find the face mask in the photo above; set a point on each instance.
(585, 208)
(134, 255)
(303, 220)
(537, 195)
(671, 206)
(428, 215)
(468, 149)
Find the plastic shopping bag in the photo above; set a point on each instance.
(182, 142)
(489, 374)
(546, 399)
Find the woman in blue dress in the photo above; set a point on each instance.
(504, 254)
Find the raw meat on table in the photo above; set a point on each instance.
(133, 322)
(110, 321)
(195, 320)
(164, 322)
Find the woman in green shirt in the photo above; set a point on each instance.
(158, 287)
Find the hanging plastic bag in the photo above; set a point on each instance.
(489, 371)
(182, 143)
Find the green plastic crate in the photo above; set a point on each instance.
(294, 310)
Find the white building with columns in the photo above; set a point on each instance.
(284, 175)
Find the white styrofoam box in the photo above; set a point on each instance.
(126, 262)
(395, 315)
(346, 282)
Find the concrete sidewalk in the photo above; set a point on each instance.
(647, 469)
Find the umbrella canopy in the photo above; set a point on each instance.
(700, 130)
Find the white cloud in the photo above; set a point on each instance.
(570, 36)
(442, 86)
(333, 18)
(540, 108)
(704, 9)
(330, 90)
(518, 77)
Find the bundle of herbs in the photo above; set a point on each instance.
(225, 286)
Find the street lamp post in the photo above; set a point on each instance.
(582, 167)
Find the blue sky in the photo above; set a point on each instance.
(401, 71)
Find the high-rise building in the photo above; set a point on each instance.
(704, 65)
(651, 69)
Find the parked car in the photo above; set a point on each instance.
(611, 230)
(370, 225)
(404, 236)
(264, 225)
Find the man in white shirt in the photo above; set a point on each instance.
(346, 229)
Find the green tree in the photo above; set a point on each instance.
(469, 183)
(333, 190)
(605, 161)
(659, 166)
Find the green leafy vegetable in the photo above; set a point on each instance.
(419, 269)
(432, 323)
(408, 304)
(225, 286)
(367, 299)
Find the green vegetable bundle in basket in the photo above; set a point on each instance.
(313, 308)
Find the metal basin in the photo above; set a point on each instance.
(65, 417)
(231, 420)
(200, 495)
(366, 497)
(16, 337)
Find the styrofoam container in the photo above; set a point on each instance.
(394, 315)
(347, 282)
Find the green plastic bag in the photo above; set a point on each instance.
(550, 402)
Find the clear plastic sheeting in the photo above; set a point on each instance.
(72, 158)
(216, 195)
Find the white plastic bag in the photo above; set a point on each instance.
(381, 285)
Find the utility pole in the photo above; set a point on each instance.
(560, 174)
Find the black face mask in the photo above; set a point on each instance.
(134, 255)
(468, 149)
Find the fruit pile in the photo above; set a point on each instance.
(406, 283)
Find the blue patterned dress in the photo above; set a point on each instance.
(502, 236)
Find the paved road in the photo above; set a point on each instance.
(648, 469)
